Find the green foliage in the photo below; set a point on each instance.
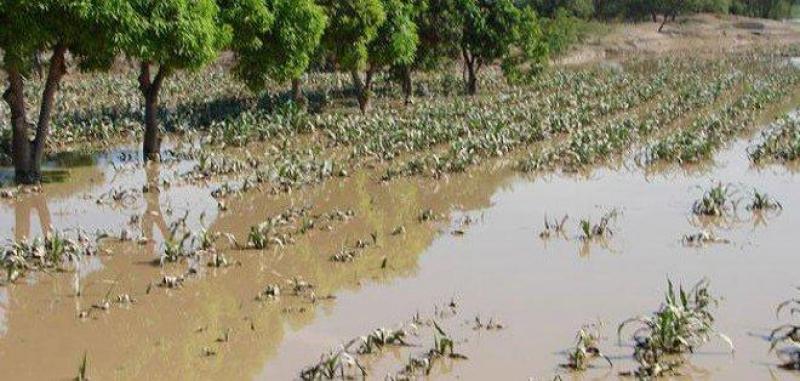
(439, 31)
(495, 30)
(532, 48)
(716, 202)
(273, 38)
(550, 8)
(774, 9)
(397, 38)
(682, 323)
(90, 29)
(561, 31)
(354, 24)
(779, 143)
(489, 28)
(176, 34)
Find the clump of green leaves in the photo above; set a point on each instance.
(763, 202)
(682, 323)
(175, 249)
(443, 346)
(780, 143)
(587, 349)
(335, 364)
(380, 338)
(600, 229)
(50, 252)
(716, 202)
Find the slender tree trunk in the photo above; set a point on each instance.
(57, 70)
(28, 155)
(20, 144)
(407, 85)
(150, 88)
(471, 69)
(151, 145)
(663, 22)
(297, 91)
(363, 89)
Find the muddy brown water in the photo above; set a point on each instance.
(541, 290)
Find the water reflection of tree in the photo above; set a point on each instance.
(27, 206)
(153, 217)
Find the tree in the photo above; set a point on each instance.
(170, 35)
(489, 29)
(535, 42)
(89, 30)
(395, 46)
(274, 39)
(353, 26)
(437, 30)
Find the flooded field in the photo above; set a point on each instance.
(449, 240)
(483, 253)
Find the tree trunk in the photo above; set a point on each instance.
(407, 86)
(297, 91)
(362, 89)
(471, 69)
(151, 145)
(663, 22)
(58, 67)
(20, 144)
(28, 155)
(150, 88)
(472, 78)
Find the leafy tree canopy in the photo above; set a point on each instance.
(176, 34)
(273, 38)
(89, 29)
(397, 38)
(354, 24)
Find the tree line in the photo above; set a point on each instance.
(271, 40)
(277, 40)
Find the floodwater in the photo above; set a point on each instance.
(499, 268)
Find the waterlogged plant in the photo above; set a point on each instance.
(257, 238)
(175, 249)
(653, 361)
(779, 143)
(716, 202)
(337, 364)
(763, 202)
(205, 239)
(380, 338)
(50, 252)
(553, 227)
(443, 346)
(587, 349)
(600, 229)
(683, 322)
(701, 238)
(83, 369)
(785, 339)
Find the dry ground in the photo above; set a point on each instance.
(696, 34)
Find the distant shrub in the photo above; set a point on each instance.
(561, 31)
